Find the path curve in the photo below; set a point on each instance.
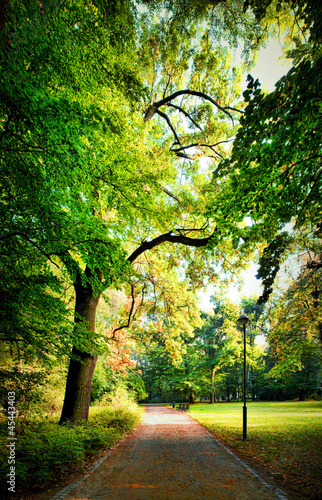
(169, 457)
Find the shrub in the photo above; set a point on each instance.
(94, 439)
(46, 452)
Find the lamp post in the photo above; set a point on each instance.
(244, 320)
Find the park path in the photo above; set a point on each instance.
(170, 456)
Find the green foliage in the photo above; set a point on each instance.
(252, 309)
(59, 452)
(28, 387)
(211, 360)
(273, 175)
(51, 112)
(295, 332)
(269, 263)
(275, 158)
(88, 179)
(107, 381)
(226, 21)
(306, 11)
(33, 316)
(135, 385)
(65, 447)
(38, 390)
(293, 320)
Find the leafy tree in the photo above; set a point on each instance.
(256, 367)
(82, 170)
(295, 321)
(49, 118)
(218, 339)
(274, 172)
(92, 183)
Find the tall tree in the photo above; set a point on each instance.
(274, 172)
(88, 181)
(217, 340)
(295, 321)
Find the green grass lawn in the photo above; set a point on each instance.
(285, 439)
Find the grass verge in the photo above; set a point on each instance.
(47, 452)
(284, 439)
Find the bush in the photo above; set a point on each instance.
(94, 439)
(34, 396)
(46, 452)
(120, 419)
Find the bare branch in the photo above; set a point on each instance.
(314, 265)
(185, 113)
(178, 151)
(130, 313)
(166, 191)
(187, 157)
(155, 106)
(170, 125)
(180, 154)
(171, 238)
(194, 144)
(190, 230)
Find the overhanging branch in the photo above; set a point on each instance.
(171, 238)
(170, 125)
(156, 105)
(169, 193)
(130, 314)
(185, 113)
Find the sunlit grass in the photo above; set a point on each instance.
(284, 438)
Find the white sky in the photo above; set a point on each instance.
(251, 286)
(269, 68)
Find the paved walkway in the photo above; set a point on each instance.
(169, 457)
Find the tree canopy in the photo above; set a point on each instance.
(106, 111)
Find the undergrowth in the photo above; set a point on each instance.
(47, 452)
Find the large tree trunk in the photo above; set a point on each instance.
(80, 373)
(253, 383)
(213, 396)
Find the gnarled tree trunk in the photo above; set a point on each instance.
(80, 372)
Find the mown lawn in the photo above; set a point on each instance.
(285, 439)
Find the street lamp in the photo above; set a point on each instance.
(244, 320)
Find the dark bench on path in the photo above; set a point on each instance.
(183, 407)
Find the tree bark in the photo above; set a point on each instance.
(191, 397)
(212, 399)
(81, 370)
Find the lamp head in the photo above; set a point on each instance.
(243, 320)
